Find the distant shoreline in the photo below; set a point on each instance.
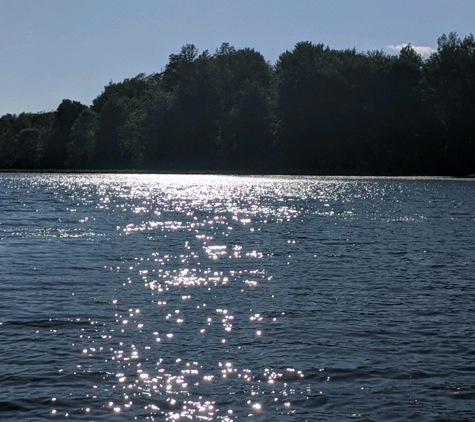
(230, 173)
(317, 111)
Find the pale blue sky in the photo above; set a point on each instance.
(55, 49)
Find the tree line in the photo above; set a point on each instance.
(316, 111)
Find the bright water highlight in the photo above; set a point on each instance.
(220, 298)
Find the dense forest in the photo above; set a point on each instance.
(315, 111)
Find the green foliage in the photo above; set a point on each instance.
(55, 153)
(449, 81)
(317, 110)
(243, 120)
(81, 143)
(22, 138)
(28, 141)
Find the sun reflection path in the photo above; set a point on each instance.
(197, 325)
(194, 317)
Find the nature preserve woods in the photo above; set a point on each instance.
(317, 111)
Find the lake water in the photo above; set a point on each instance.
(221, 298)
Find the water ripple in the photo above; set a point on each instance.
(160, 297)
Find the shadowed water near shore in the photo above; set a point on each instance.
(195, 297)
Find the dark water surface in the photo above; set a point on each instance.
(132, 297)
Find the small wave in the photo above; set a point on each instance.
(49, 323)
(9, 406)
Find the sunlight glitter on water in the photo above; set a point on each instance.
(171, 276)
(220, 297)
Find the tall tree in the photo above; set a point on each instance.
(191, 78)
(29, 149)
(248, 112)
(450, 87)
(310, 92)
(81, 143)
(114, 107)
(55, 151)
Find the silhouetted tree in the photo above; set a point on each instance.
(55, 151)
(81, 143)
(191, 78)
(318, 110)
(244, 121)
(450, 88)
